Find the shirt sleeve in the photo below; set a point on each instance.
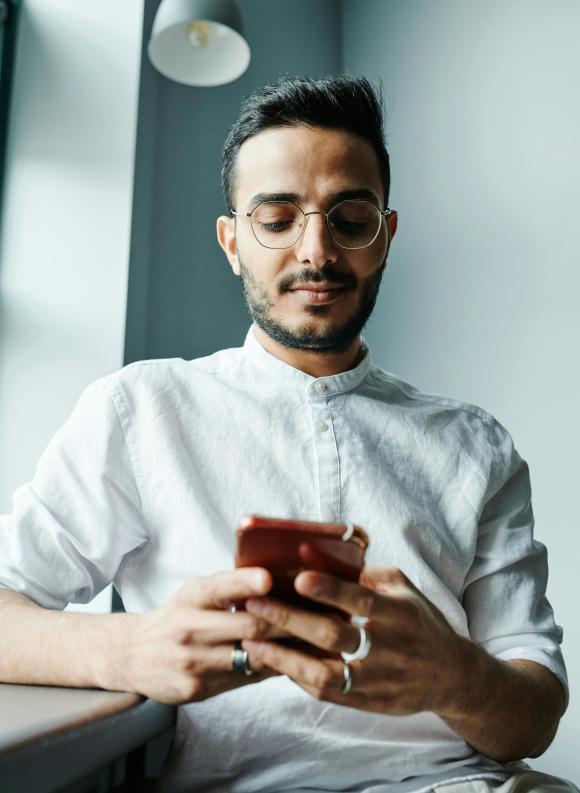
(72, 525)
(505, 589)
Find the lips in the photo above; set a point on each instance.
(317, 287)
(318, 293)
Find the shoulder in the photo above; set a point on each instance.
(161, 375)
(405, 394)
(144, 389)
(471, 426)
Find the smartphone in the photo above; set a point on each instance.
(286, 547)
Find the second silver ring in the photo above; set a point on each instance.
(347, 678)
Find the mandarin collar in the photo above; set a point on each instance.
(321, 387)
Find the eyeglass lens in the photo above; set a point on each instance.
(352, 224)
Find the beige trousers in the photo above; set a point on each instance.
(523, 782)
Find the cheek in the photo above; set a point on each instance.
(367, 260)
(366, 266)
(266, 266)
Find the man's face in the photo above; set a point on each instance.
(315, 168)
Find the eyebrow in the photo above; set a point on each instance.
(259, 198)
(333, 199)
(361, 193)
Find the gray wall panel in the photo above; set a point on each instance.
(183, 298)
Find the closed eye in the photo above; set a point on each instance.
(280, 225)
(349, 226)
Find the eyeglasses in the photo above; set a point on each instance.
(353, 224)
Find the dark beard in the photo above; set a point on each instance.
(336, 338)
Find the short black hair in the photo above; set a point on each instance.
(333, 102)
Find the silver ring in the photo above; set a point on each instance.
(364, 645)
(347, 678)
(240, 660)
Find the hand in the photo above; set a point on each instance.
(181, 651)
(416, 658)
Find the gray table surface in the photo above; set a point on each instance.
(50, 736)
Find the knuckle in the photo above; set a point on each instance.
(367, 604)
(183, 635)
(254, 629)
(256, 664)
(396, 575)
(190, 589)
(203, 588)
(282, 616)
(324, 679)
(186, 664)
(331, 636)
(192, 689)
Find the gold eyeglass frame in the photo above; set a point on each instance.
(382, 212)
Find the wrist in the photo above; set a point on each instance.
(466, 679)
(506, 710)
(113, 658)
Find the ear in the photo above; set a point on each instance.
(392, 221)
(226, 234)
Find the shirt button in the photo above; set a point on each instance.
(321, 387)
(322, 426)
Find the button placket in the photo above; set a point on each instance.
(326, 453)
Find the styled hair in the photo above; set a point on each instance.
(334, 102)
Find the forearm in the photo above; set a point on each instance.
(505, 710)
(44, 647)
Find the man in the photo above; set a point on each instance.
(456, 675)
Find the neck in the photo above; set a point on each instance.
(316, 364)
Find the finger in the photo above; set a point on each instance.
(328, 633)
(386, 606)
(351, 700)
(352, 598)
(212, 660)
(199, 685)
(324, 675)
(217, 591)
(325, 632)
(218, 627)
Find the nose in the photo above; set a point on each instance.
(316, 247)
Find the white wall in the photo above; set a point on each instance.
(480, 301)
(67, 216)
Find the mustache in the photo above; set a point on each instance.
(317, 277)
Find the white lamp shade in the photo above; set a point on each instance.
(199, 42)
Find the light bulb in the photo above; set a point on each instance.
(200, 34)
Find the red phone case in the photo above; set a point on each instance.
(286, 547)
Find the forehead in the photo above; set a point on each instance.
(311, 162)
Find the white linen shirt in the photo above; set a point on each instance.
(145, 484)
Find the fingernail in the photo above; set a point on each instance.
(258, 580)
(310, 585)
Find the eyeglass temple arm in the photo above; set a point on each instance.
(383, 212)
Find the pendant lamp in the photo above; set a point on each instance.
(199, 42)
